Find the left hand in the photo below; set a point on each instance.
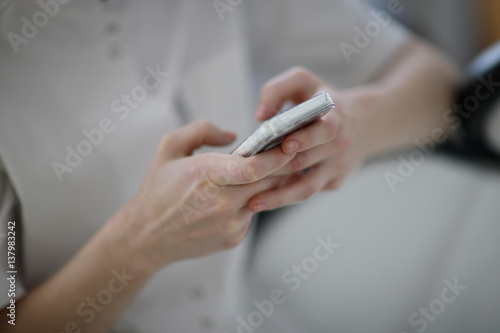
(326, 151)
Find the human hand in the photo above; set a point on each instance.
(190, 206)
(325, 151)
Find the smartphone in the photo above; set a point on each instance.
(274, 130)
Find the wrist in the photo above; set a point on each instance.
(124, 244)
(363, 106)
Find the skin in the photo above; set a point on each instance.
(404, 104)
(208, 205)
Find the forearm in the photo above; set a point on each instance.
(202, 210)
(407, 102)
(88, 294)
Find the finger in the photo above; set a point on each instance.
(230, 198)
(239, 228)
(319, 132)
(240, 219)
(296, 85)
(306, 159)
(334, 183)
(245, 192)
(237, 196)
(185, 140)
(301, 190)
(225, 170)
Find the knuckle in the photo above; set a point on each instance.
(241, 235)
(306, 138)
(221, 204)
(307, 192)
(236, 239)
(166, 141)
(230, 170)
(217, 177)
(330, 129)
(267, 87)
(232, 227)
(210, 208)
(343, 143)
(334, 185)
(230, 244)
(300, 72)
(328, 187)
(299, 162)
(195, 173)
(195, 199)
(202, 125)
(248, 172)
(341, 165)
(280, 160)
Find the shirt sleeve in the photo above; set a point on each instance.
(372, 38)
(8, 206)
(345, 42)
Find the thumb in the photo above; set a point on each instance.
(187, 139)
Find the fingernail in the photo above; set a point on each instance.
(291, 146)
(259, 207)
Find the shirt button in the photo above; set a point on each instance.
(207, 323)
(111, 28)
(197, 293)
(115, 51)
(113, 4)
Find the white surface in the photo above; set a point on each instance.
(396, 249)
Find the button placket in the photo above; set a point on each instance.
(113, 9)
(207, 323)
(198, 294)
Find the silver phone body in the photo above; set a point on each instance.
(274, 130)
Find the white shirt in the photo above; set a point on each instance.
(394, 252)
(73, 75)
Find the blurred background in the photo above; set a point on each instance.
(462, 27)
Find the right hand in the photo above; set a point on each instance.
(190, 206)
